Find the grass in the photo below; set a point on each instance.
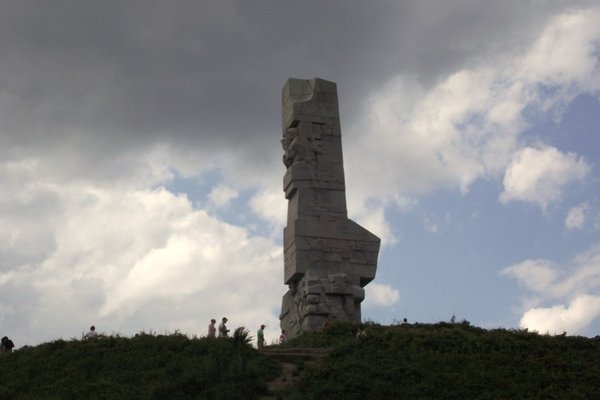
(416, 361)
(449, 361)
(143, 367)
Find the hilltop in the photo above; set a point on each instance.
(411, 361)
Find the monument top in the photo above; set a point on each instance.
(312, 100)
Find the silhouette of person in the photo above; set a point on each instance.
(223, 331)
(260, 337)
(91, 334)
(6, 345)
(212, 329)
(283, 336)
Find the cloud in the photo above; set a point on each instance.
(536, 275)
(567, 298)
(558, 319)
(576, 216)
(272, 206)
(539, 175)
(125, 259)
(221, 195)
(99, 113)
(378, 294)
(414, 139)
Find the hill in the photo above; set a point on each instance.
(161, 367)
(412, 361)
(449, 361)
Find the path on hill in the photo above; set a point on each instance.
(291, 360)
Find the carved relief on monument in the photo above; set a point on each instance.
(328, 259)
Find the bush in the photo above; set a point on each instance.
(142, 367)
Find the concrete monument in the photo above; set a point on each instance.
(328, 259)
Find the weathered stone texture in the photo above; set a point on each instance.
(328, 258)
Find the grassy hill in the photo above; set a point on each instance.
(450, 361)
(416, 361)
(145, 367)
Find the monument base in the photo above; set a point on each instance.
(318, 299)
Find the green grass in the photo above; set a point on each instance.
(143, 367)
(418, 361)
(449, 361)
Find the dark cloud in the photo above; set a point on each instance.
(104, 77)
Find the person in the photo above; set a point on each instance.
(223, 331)
(91, 334)
(283, 336)
(6, 345)
(212, 329)
(360, 333)
(260, 337)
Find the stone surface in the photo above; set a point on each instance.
(328, 258)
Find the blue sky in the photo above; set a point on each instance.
(141, 173)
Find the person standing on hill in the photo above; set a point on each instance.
(212, 329)
(223, 331)
(260, 337)
(91, 334)
(6, 345)
(283, 336)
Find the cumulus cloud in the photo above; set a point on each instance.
(221, 195)
(272, 206)
(567, 298)
(99, 114)
(378, 294)
(536, 275)
(576, 216)
(571, 318)
(414, 139)
(125, 259)
(539, 175)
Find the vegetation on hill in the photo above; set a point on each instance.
(409, 361)
(165, 367)
(449, 361)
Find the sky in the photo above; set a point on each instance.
(141, 173)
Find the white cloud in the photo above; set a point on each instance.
(577, 284)
(415, 139)
(272, 206)
(576, 216)
(536, 275)
(539, 175)
(560, 318)
(565, 55)
(373, 219)
(221, 195)
(126, 259)
(378, 294)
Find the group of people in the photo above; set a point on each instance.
(6, 345)
(260, 337)
(212, 329)
(224, 332)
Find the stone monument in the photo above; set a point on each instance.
(328, 258)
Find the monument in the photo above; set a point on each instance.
(328, 258)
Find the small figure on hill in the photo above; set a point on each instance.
(260, 337)
(91, 334)
(453, 319)
(223, 331)
(6, 345)
(405, 321)
(360, 333)
(212, 329)
(283, 336)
